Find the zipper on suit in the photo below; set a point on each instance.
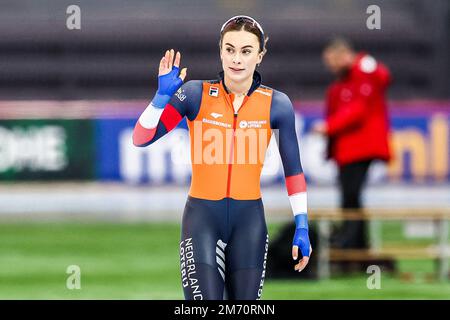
(230, 164)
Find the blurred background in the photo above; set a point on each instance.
(74, 191)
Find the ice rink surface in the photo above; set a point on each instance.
(166, 203)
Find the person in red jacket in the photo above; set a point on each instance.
(356, 125)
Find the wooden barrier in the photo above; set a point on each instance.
(440, 251)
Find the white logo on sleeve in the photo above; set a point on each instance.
(216, 115)
(368, 64)
(180, 94)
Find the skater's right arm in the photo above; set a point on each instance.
(171, 103)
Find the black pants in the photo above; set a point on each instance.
(223, 249)
(352, 178)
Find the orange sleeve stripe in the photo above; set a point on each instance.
(296, 184)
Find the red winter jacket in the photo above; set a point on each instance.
(356, 115)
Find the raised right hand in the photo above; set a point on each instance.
(168, 79)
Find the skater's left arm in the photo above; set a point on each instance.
(282, 119)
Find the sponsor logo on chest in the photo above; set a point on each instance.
(244, 124)
(214, 91)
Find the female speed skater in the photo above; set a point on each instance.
(224, 238)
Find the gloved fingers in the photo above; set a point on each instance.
(183, 74)
(171, 56)
(176, 63)
(294, 252)
(301, 264)
(177, 82)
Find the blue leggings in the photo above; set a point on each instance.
(223, 249)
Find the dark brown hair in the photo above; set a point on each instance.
(248, 24)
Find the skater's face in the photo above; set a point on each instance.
(240, 55)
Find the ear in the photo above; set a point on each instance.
(260, 57)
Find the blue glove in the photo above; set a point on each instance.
(301, 237)
(168, 84)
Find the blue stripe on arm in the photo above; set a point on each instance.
(301, 221)
(282, 117)
(160, 100)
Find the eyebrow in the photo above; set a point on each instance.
(247, 46)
